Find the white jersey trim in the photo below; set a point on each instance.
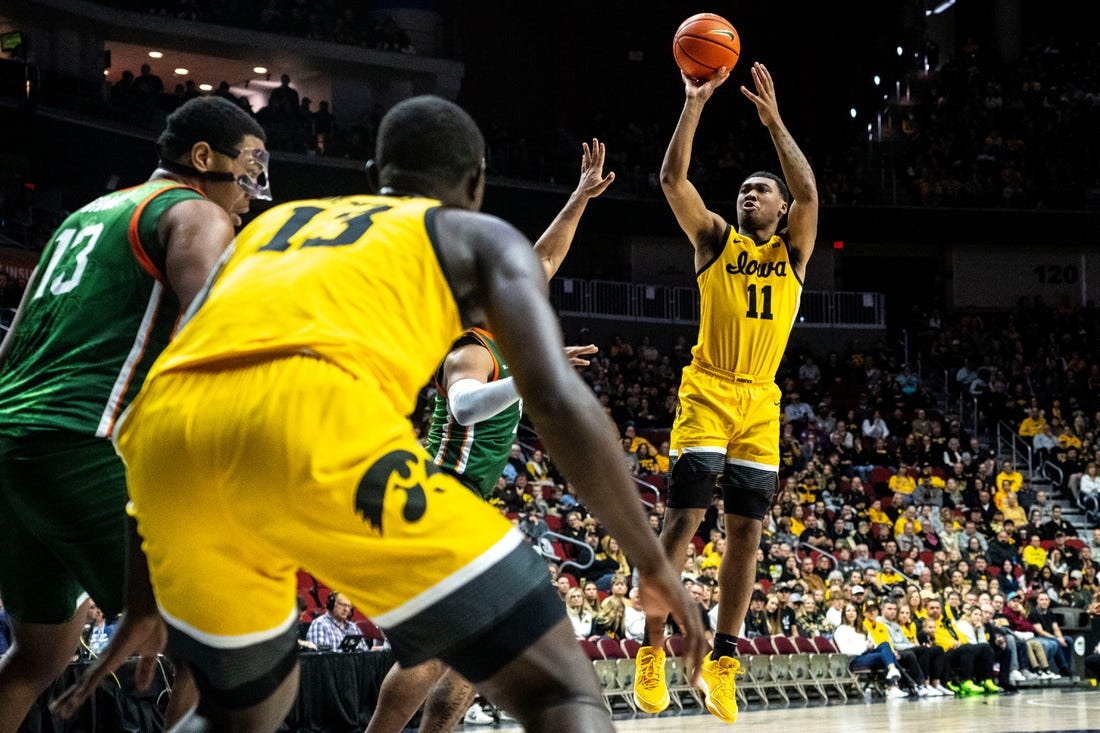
(230, 642)
(452, 582)
(126, 374)
(752, 464)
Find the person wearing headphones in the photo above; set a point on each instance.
(328, 630)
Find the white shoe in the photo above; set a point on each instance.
(1016, 676)
(475, 715)
(893, 674)
(1029, 675)
(893, 692)
(924, 691)
(1054, 675)
(944, 691)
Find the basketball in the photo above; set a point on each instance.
(704, 43)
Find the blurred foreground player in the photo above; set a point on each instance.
(474, 423)
(97, 311)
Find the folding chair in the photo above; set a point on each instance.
(831, 668)
(610, 648)
(607, 672)
(860, 679)
(814, 677)
(779, 672)
(371, 633)
(867, 679)
(879, 482)
(307, 589)
(757, 673)
(760, 670)
(798, 664)
(630, 647)
(590, 649)
(679, 684)
(764, 645)
(784, 645)
(626, 669)
(805, 645)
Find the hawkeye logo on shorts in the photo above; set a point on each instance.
(399, 471)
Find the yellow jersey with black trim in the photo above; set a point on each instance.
(341, 279)
(749, 297)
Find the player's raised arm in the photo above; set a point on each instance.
(702, 226)
(552, 247)
(803, 211)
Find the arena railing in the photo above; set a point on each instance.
(680, 305)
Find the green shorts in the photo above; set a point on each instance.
(62, 525)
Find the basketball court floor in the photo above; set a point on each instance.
(1066, 710)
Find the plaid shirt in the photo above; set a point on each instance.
(327, 631)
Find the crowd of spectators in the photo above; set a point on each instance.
(976, 131)
(981, 133)
(884, 496)
(141, 97)
(335, 21)
(292, 122)
(972, 132)
(890, 489)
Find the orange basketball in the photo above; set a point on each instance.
(704, 43)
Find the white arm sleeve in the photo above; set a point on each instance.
(471, 401)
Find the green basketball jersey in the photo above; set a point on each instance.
(98, 311)
(475, 453)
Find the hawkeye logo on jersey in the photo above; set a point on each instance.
(399, 471)
(745, 266)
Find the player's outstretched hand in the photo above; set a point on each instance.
(764, 98)
(593, 181)
(696, 89)
(576, 354)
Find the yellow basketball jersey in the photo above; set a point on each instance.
(749, 297)
(338, 278)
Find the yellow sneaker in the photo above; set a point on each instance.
(720, 687)
(650, 690)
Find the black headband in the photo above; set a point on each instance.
(186, 170)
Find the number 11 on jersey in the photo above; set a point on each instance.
(765, 312)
